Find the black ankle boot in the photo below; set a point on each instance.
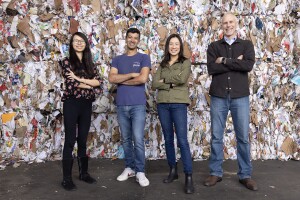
(83, 168)
(189, 186)
(67, 182)
(173, 175)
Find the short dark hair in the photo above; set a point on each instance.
(133, 30)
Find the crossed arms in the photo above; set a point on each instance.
(242, 63)
(128, 79)
(83, 83)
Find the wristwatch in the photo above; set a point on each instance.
(224, 60)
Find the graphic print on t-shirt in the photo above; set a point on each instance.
(136, 66)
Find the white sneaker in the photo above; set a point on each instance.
(141, 179)
(127, 173)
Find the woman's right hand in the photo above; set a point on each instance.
(71, 75)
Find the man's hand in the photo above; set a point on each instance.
(240, 57)
(219, 60)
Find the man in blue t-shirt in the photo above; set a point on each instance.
(130, 71)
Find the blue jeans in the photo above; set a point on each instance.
(239, 109)
(175, 114)
(132, 123)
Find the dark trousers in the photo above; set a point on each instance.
(77, 119)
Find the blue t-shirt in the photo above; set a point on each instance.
(128, 95)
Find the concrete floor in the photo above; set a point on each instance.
(277, 180)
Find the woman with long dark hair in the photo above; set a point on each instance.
(171, 81)
(81, 82)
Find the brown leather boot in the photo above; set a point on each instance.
(249, 183)
(212, 180)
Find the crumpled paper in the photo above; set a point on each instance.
(35, 36)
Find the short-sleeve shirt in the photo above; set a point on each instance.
(131, 94)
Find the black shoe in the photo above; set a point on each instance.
(189, 186)
(87, 178)
(67, 182)
(173, 175)
(83, 168)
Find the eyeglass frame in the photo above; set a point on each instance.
(78, 41)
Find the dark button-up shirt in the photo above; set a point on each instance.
(232, 77)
